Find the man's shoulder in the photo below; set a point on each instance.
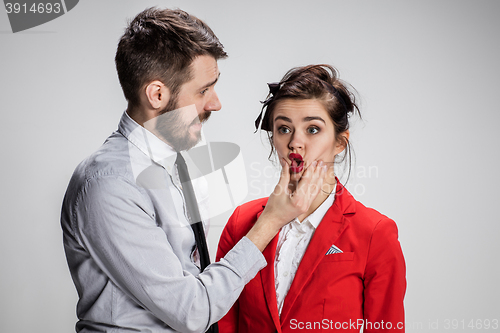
(112, 159)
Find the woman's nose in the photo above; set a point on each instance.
(296, 142)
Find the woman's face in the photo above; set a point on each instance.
(303, 132)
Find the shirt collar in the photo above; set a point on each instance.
(152, 146)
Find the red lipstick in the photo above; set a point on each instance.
(297, 162)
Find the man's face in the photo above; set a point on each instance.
(180, 124)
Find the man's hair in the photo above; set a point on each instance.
(161, 44)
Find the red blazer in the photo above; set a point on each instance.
(364, 285)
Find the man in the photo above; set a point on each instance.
(126, 216)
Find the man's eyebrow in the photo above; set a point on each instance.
(211, 83)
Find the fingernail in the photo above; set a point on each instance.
(314, 163)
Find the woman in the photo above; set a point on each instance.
(339, 266)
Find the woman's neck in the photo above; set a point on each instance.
(328, 187)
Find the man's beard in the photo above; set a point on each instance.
(173, 127)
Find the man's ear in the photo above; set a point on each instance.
(342, 142)
(157, 94)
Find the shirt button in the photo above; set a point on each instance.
(285, 274)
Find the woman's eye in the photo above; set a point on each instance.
(284, 130)
(313, 130)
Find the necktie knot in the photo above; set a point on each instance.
(182, 169)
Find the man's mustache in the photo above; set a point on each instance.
(202, 117)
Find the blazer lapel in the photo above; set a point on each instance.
(328, 231)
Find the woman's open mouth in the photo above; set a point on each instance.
(297, 162)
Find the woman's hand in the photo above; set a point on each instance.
(284, 204)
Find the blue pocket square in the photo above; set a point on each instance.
(333, 249)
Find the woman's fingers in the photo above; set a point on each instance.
(317, 180)
(284, 205)
(282, 186)
(311, 181)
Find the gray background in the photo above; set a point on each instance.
(427, 149)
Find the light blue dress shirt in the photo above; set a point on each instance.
(129, 244)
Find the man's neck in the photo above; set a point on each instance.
(139, 115)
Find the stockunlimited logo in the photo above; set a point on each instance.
(28, 14)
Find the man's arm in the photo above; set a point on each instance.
(229, 323)
(115, 223)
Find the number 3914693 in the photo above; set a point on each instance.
(36, 8)
(477, 324)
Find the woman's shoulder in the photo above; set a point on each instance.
(250, 210)
(244, 216)
(372, 219)
(368, 213)
(369, 224)
(363, 216)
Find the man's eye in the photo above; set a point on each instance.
(204, 91)
(313, 130)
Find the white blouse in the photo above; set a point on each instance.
(292, 244)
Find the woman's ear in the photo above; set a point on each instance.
(342, 142)
(157, 95)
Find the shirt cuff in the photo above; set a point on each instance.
(246, 258)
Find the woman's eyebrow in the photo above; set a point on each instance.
(313, 118)
(305, 119)
(283, 118)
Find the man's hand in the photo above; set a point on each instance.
(284, 205)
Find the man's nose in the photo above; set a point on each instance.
(213, 103)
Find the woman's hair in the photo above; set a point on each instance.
(319, 82)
